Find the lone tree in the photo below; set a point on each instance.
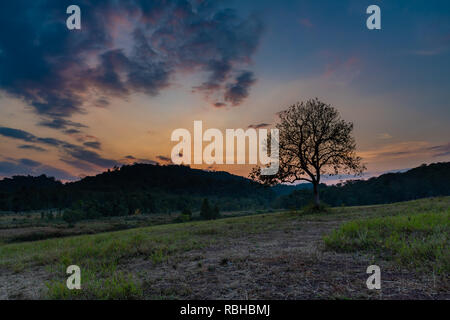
(313, 141)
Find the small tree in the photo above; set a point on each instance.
(313, 141)
(205, 212)
(187, 212)
(216, 212)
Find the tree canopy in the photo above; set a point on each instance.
(313, 141)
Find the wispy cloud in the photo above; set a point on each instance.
(132, 160)
(441, 150)
(164, 159)
(384, 136)
(31, 147)
(74, 152)
(31, 167)
(343, 71)
(406, 150)
(259, 125)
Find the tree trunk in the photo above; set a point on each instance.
(316, 195)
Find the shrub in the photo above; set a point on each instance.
(72, 216)
(313, 209)
(209, 213)
(206, 212)
(187, 212)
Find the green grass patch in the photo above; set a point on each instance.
(100, 256)
(418, 240)
(103, 257)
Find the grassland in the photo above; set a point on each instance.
(285, 255)
(418, 241)
(30, 226)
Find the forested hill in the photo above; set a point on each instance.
(18, 183)
(171, 178)
(421, 182)
(151, 188)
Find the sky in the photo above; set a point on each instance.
(76, 102)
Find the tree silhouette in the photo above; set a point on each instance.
(313, 141)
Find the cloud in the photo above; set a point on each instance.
(59, 123)
(259, 126)
(72, 131)
(29, 163)
(124, 47)
(30, 167)
(406, 149)
(93, 144)
(164, 159)
(133, 160)
(220, 104)
(384, 136)
(17, 134)
(441, 150)
(31, 147)
(68, 149)
(343, 71)
(88, 156)
(239, 90)
(82, 165)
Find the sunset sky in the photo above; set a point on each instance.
(73, 103)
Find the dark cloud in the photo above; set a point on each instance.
(72, 131)
(60, 72)
(239, 90)
(31, 147)
(74, 151)
(441, 150)
(82, 165)
(259, 125)
(17, 134)
(29, 163)
(61, 124)
(93, 144)
(88, 156)
(132, 159)
(29, 167)
(164, 159)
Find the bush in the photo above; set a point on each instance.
(209, 213)
(187, 212)
(183, 218)
(313, 209)
(205, 212)
(72, 216)
(216, 212)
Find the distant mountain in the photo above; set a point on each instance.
(421, 182)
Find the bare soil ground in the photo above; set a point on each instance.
(282, 265)
(285, 263)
